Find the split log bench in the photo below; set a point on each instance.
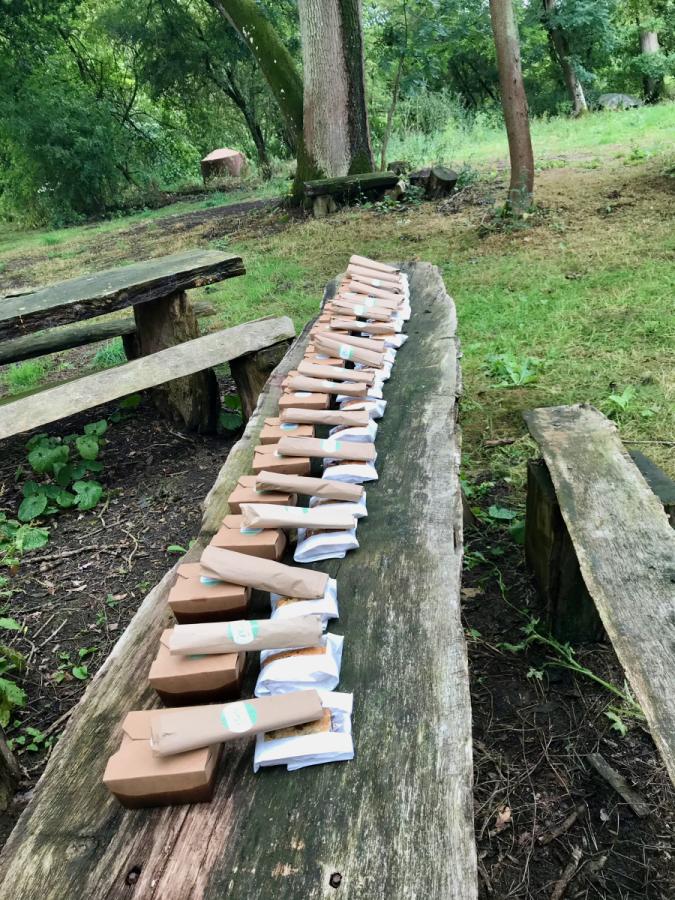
(164, 346)
(618, 534)
(395, 822)
(325, 192)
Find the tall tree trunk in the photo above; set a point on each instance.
(561, 51)
(360, 149)
(335, 117)
(252, 124)
(390, 113)
(514, 104)
(277, 65)
(653, 86)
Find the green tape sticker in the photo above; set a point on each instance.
(243, 632)
(238, 717)
(245, 530)
(204, 579)
(287, 426)
(331, 445)
(346, 351)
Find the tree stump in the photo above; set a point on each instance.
(397, 191)
(441, 182)
(251, 371)
(324, 206)
(193, 401)
(399, 167)
(9, 774)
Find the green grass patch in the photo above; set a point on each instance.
(110, 354)
(25, 375)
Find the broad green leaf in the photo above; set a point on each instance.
(130, 402)
(500, 512)
(88, 494)
(517, 532)
(80, 672)
(29, 538)
(32, 507)
(43, 459)
(96, 428)
(87, 446)
(10, 624)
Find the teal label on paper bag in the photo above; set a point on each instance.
(204, 579)
(346, 351)
(243, 632)
(245, 530)
(287, 427)
(238, 717)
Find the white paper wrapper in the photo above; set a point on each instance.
(301, 671)
(381, 375)
(357, 509)
(325, 545)
(352, 473)
(395, 340)
(312, 749)
(365, 435)
(375, 408)
(325, 608)
(374, 393)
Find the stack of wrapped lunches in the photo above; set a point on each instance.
(304, 499)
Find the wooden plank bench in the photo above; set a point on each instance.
(237, 343)
(325, 191)
(625, 549)
(164, 317)
(395, 822)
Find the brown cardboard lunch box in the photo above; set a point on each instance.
(267, 543)
(265, 458)
(246, 492)
(197, 678)
(274, 429)
(196, 597)
(138, 778)
(304, 400)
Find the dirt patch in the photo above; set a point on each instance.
(76, 595)
(534, 726)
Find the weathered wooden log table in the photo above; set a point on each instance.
(397, 821)
(164, 317)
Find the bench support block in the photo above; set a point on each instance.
(9, 774)
(251, 371)
(570, 611)
(192, 401)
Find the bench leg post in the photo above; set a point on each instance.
(570, 611)
(251, 371)
(192, 401)
(9, 774)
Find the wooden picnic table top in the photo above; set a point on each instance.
(395, 822)
(104, 292)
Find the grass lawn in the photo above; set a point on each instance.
(578, 302)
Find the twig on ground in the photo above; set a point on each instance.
(499, 442)
(568, 874)
(665, 443)
(53, 634)
(57, 722)
(564, 826)
(619, 783)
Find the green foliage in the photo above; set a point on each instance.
(231, 417)
(11, 695)
(513, 371)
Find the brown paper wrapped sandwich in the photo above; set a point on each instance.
(377, 279)
(303, 383)
(246, 491)
(176, 731)
(347, 352)
(260, 515)
(358, 287)
(329, 448)
(304, 400)
(346, 295)
(376, 345)
(268, 457)
(196, 597)
(198, 678)
(312, 487)
(375, 328)
(246, 635)
(311, 370)
(356, 419)
(265, 575)
(345, 307)
(367, 263)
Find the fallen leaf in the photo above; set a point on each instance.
(470, 593)
(503, 819)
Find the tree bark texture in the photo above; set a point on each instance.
(514, 104)
(653, 87)
(278, 68)
(561, 51)
(335, 118)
